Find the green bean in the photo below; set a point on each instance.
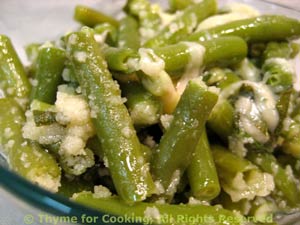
(91, 17)
(49, 67)
(260, 29)
(284, 181)
(202, 172)
(239, 177)
(221, 119)
(173, 154)
(151, 213)
(147, 152)
(144, 108)
(128, 33)
(14, 82)
(183, 25)
(221, 51)
(26, 158)
(114, 128)
(218, 51)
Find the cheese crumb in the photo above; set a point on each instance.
(101, 192)
(152, 213)
(166, 120)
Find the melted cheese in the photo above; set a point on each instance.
(156, 79)
(264, 100)
(196, 52)
(248, 71)
(248, 111)
(218, 20)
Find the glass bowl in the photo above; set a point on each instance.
(33, 21)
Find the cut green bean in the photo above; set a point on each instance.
(111, 119)
(151, 213)
(184, 25)
(278, 71)
(173, 154)
(24, 157)
(284, 181)
(117, 58)
(260, 29)
(278, 74)
(49, 67)
(91, 17)
(202, 172)
(13, 80)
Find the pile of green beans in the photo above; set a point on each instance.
(148, 116)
